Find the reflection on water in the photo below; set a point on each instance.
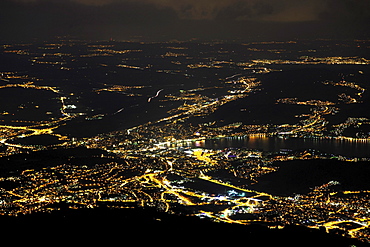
(353, 148)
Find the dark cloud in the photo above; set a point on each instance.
(185, 18)
(346, 10)
(263, 10)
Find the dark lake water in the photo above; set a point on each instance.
(334, 146)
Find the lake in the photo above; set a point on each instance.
(358, 148)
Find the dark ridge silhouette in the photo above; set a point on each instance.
(149, 226)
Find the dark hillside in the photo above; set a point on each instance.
(148, 226)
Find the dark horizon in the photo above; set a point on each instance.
(160, 20)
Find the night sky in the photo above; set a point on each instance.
(162, 20)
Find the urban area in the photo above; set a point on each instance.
(149, 143)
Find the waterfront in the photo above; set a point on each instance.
(351, 148)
